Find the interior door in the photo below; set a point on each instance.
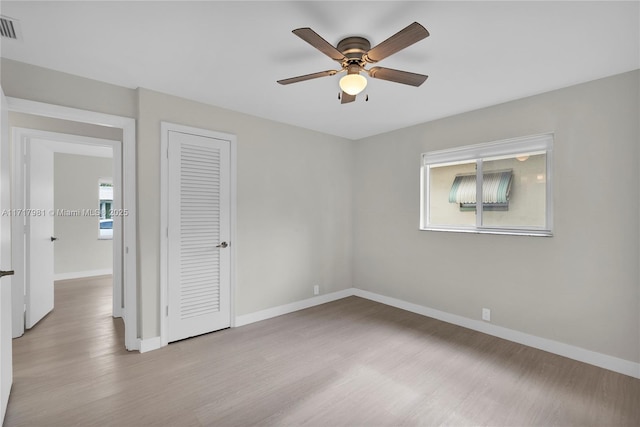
(198, 235)
(6, 363)
(40, 238)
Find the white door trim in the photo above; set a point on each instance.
(128, 126)
(61, 143)
(6, 353)
(165, 127)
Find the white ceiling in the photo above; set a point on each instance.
(230, 54)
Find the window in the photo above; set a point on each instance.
(105, 191)
(512, 178)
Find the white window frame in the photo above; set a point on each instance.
(476, 153)
(100, 182)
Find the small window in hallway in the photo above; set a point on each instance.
(105, 189)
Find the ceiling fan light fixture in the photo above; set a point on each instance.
(353, 84)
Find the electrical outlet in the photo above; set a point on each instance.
(316, 290)
(486, 314)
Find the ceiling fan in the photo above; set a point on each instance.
(354, 53)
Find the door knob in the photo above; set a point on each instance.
(53, 239)
(6, 273)
(222, 245)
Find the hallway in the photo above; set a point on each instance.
(77, 348)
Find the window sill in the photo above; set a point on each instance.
(501, 231)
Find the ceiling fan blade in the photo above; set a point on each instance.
(397, 76)
(346, 98)
(307, 77)
(311, 37)
(403, 38)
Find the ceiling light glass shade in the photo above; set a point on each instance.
(353, 84)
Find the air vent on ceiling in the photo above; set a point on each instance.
(10, 28)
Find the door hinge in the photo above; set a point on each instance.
(167, 311)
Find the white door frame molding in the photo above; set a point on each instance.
(165, 128)
(129, 259)
(61, 143)
(6, 353)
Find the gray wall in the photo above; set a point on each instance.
(75, 186)
(316, 209)
(294, 190)
(26, 81)
(580, 286)
(294, 205)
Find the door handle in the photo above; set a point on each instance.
(222, 245)
(53, 239)
(6, 273)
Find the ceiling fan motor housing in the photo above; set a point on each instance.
(354, 49)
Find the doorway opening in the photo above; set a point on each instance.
(124, 296)
(56, 186)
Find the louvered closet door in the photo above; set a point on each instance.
(199, 267)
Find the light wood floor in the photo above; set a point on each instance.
(352, 362)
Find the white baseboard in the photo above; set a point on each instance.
(148, 344)
(611, 363)
(605, 361)
(246, 319)
(83, 274)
